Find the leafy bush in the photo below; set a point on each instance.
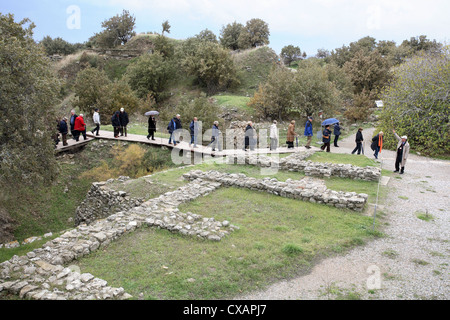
(416, 103)
(150, 74)
(211, 64)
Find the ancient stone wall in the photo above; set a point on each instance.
(307, 189)
(101, 202)
(41, 274)
(297, 163)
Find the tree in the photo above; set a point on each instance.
(211, 64)
(368, 71)
(89, 87)
(117, 95)
(150, 74)
(342, 55)
(323, 53)
(274, 98)
(117, 30)
(255, 33)
(358, 109)
(290, 54)
(207, 35)
(57, 46)
(420, 43)
(29, 93)
(416, 103)
(312, 91)
(229, 35)
(303, 93)
(166, 27)
(341, 80)
(164, 46)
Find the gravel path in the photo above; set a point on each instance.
(410, 262)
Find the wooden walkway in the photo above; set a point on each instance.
(72, 144)
(182, 146)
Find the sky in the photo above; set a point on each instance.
(308, 24)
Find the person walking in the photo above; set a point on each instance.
(308, 132)
(402, 153)
(326, 139)
(215, 137)
(193, 130)
(80, 127)
(123, 116)
(115, 121)
(359, 140)
(73, 116)
(337, 133)
(249, 137)
(291, 135)
(274, 136)
(64, 130)
(151, 128)
(175, 124)
(377, 144)
(96, 119)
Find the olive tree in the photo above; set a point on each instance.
(28, 94)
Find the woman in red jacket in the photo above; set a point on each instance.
(80, 127)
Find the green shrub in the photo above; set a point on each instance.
(416, 104)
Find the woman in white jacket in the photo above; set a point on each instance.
(273, 136)
(96, 119)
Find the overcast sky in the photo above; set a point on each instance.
(311, 25)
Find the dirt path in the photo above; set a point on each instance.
(410, 262)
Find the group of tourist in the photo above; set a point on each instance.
(77, 128)
(120, 122)
(308, 133)
(194, 129)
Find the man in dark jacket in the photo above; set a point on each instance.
(308, 132)
(326, 138)
(337, 133)
(123, 116)
(73, 116)
(359, 140)
(64, 130)
(115, 121)
(193, 128)
(174, 125)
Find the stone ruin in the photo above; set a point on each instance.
(106, 215)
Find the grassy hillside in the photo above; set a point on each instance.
(254, 66)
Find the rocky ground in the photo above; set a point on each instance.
(409, 262)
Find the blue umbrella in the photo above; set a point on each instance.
(330, 122)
